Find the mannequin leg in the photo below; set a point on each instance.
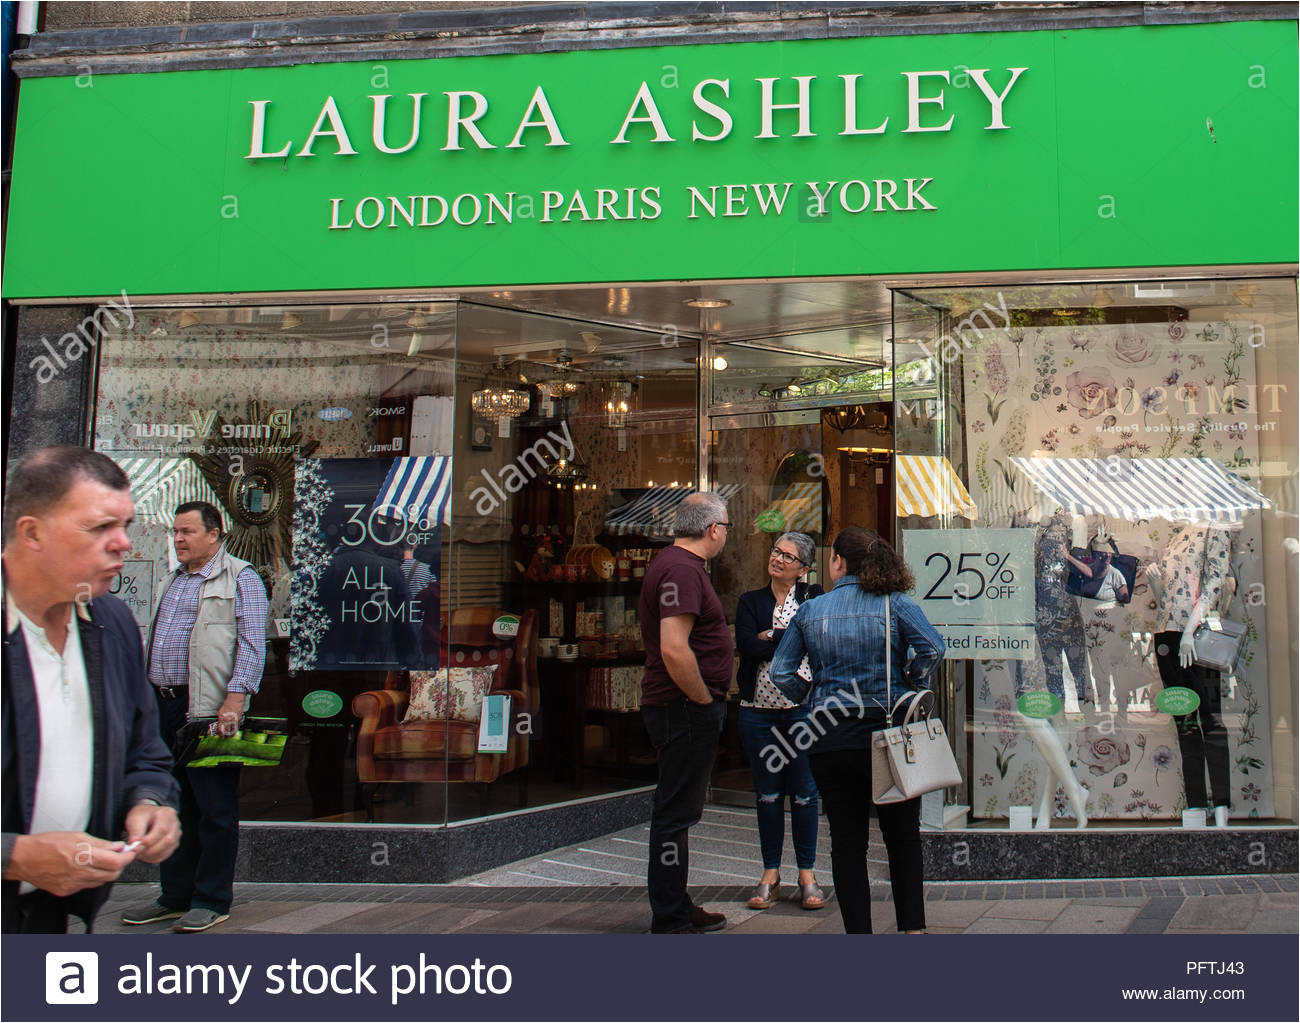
(1045, 738)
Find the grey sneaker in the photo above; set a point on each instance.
(150, 913)
(199, 920)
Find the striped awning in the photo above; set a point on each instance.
(1173, 489)
(797, 510)
(927, 485)
(417, 490)
(651, 514)
(160, 485)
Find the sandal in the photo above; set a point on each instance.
(811, 896)
(765, 895)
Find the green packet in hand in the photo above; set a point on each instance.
(258, 743)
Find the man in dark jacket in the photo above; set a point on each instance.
(87, 780)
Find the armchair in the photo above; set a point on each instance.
(446, 750)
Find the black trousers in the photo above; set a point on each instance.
(1202, 737)
(844, 780)
(685, 737)
(200, 874)
(37, 912)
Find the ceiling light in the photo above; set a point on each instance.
(499, 401)
(493, 403)
(719, 363)
(1102, 299)
(708, 303)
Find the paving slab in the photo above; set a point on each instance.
(995, 925)
(519, 919)
(383, 919)
(1273, 921)
(950, 914)
(308, 918)
(603, 917)
(1220, 913)
(1087, 918)
(768, 923)
(1026, 909)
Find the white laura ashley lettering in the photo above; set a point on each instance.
(922, 97)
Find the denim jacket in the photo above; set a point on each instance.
(842, 632)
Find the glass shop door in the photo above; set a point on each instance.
(770, 468)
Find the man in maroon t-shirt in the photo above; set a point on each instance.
(689, 653)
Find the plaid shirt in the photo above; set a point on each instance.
(169, 659)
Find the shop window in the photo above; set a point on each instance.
(1131, 453)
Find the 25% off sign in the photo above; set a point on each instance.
(977, 587)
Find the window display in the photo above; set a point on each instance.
(1136, 433)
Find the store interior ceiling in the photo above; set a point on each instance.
(655, 327)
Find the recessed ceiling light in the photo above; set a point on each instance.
(708, 303)
(719, 363)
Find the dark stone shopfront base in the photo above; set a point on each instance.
(394, 854)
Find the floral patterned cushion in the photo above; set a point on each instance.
(457, 695)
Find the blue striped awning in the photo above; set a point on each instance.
(417, 490)
(651, 514)
(1173, 489)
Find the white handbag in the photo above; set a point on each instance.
(914, 757)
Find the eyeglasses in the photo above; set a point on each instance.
(719, 523)
(784, 558)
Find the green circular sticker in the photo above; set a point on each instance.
(322, 703)
(1039, 704)
(506, 625)
(771, 521)
(1177, 701)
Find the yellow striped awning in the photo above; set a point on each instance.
(797, 510)
(927, 485)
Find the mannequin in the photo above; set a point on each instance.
(1060, 630)
(1191, 582)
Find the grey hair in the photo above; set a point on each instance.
(803, 546)
(697, 513)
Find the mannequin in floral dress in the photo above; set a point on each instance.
(1059, 628)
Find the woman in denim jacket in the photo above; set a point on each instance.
(842, 634)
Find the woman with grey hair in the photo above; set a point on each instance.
(768, 719)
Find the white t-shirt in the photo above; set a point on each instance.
(64, 777)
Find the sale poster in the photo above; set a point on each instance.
(976, 586)
(367, 563)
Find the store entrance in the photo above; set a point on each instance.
(810, 471)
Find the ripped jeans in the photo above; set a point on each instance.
(777, 774)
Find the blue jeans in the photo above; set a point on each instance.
(685, 737)
(776, 775)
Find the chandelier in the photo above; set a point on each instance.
(569, 472)
(495, 401)
(563, 386)
(619, 404)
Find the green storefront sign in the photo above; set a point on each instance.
(906, 154)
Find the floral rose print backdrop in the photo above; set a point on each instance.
(1149, 390)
